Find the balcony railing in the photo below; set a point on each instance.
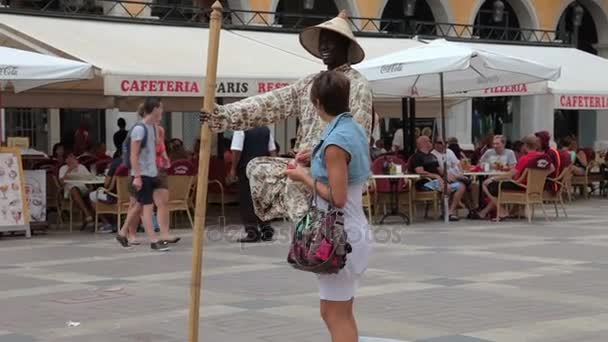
(169, 12)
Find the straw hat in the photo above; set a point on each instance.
(309, 38)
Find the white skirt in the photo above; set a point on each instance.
(341, 287)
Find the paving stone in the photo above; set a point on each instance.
(596, 265)
(8, 267)
(471, 281)
(17, 338)
(447, 282)
(109, 283)
(257, 304)
(453, 338)
(10, 281)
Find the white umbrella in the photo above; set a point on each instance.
(413, 72)
(24, 70)
(442, 67)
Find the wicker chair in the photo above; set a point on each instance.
(122, 196)
(590, 177)
(383, 191)
(557, 197)
(427, 197)
(54, 194)
(179, 194)
(21, 142)
(63, 204)
(530, 196)
(369, 199)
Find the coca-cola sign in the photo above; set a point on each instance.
(391, 68)
(9, 70)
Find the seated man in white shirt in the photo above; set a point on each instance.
(440, 152)
(398, 140)
(499, 155)
(455, 172)
(77, 192)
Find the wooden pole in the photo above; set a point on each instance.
(215, 26)
(446, 194)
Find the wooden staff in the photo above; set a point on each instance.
(215, 25)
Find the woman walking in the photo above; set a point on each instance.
(341, 166)
(160, 193)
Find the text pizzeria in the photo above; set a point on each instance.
(510, 89)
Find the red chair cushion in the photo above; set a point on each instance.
(121, 171)
(383, 185)
(181, 168)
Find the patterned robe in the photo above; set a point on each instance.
(273, 194)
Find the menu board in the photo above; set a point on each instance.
(35, 192)
(14, 215)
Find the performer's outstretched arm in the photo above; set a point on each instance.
(259, 110)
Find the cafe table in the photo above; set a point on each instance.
(481, 176)
(394, 198)
(94, 180)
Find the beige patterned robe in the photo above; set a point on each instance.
(273, 194)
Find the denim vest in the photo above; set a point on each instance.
(347, 134)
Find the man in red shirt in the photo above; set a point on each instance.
(532, 159)
(560, 159)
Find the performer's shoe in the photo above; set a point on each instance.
(249, 239)
(253, 235)
(267, 233)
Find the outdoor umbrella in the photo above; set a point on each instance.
(24, 70)
(443, 67)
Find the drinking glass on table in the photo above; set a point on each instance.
(498, 166)
(466, 164)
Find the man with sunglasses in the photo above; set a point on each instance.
(441, 153)
(427, 165)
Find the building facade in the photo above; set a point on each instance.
(580, 23)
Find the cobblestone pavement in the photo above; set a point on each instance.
(469, 281)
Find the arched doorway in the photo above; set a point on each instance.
(289, 12)
(497, 20)
(411, 17)
(577, 27)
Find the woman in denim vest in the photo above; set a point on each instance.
(340, 161)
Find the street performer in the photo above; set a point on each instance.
(273, 194)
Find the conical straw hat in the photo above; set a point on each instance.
(309, 38)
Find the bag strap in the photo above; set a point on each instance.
(313, 200)
(144, 140)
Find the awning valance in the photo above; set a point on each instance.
(581, 84)
(145, 59)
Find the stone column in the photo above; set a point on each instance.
(536, 114)
(459, 124)
(601, 119)
(54, 120)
